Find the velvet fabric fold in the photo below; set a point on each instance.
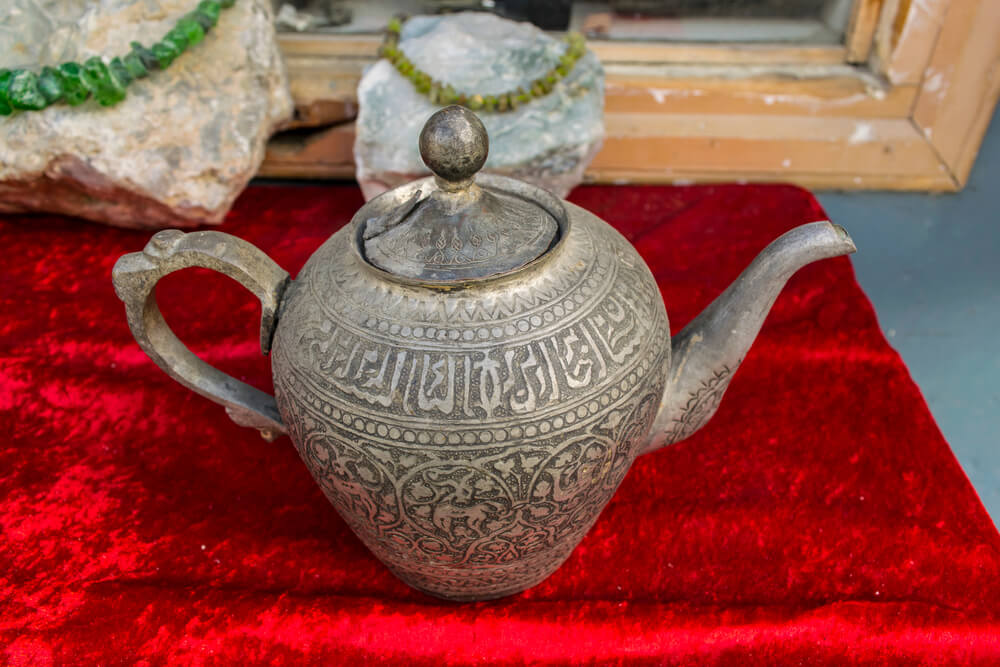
(820, 518)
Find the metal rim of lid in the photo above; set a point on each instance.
(391, 199)
(445, 237)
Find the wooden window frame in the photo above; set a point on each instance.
(903, 104)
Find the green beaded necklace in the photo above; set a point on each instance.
(72, 83)
(444, 94)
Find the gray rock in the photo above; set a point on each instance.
(548, 142)
(180, 147)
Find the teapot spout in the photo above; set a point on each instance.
(707, 352)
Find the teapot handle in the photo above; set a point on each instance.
(135, 276)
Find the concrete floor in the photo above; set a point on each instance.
(931, 266)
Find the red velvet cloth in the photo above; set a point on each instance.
(819, 519)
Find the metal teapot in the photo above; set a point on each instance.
(471, 366)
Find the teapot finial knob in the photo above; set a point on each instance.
(454, 145)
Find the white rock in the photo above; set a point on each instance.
(180, 147)
(548, 141)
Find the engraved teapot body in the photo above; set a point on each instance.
(470, 368)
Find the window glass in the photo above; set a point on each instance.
(790, 21)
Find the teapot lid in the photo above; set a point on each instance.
(455, 229)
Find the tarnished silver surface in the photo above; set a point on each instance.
(470, 437)
(135, 276)
(711, 347)
(453, 229)
(454, 146)
(471, 430)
